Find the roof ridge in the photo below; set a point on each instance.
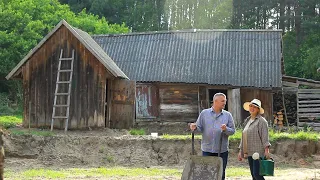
(188, 31)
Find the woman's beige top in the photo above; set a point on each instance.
(255, 137)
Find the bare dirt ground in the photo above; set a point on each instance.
(107, 148)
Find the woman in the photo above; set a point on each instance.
(255, 137)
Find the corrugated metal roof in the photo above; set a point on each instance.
(86, 40)
(100, 54)
(242, 58)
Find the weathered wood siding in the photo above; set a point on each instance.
(88, 84)
(178, 102)
(122, 108)
(147, 102)
(308, 107)
(264, 96)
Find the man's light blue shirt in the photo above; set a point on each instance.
(209, 123)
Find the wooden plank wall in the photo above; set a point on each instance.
(264, 96)
(309, 107)
(88, 86)
(178, 103)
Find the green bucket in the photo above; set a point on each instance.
(266, 167)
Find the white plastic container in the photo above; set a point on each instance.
(154, 134)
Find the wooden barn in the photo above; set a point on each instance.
(178, 72)
(173, 76)
(69, 74)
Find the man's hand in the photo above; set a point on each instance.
(193, 126)
(223, 127)
(239, 156)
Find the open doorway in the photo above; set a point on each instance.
(214, 91)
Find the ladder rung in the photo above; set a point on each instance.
(65, 70)
(66, 59)
(62, 94)
(61, 105)
(60, 117)
(64, 82)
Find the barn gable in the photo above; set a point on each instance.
(85, 39)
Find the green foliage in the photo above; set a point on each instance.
(300, 135)
(44, 173)
(9, 121)
(183, 137)
(137, 132)
(76, 173)
(109, 158)
(32, 132)
(237, 171)
(273, 135)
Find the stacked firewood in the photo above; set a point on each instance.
(290, 104)
(278, 119)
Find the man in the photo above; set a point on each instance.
(214, 123)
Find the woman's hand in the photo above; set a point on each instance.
(267, 153)
(239, 156)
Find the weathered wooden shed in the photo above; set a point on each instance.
(100, 93)
(307, 93)
(178, 72)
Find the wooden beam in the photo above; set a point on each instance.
(290, 89)
(310, 91)
(289, 84)
(308, 96)
(308, 84)
(309, 105)
(310, 115)
(309, 110)
(309, 101)
(234, 105)
(309, 124)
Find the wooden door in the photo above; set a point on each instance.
(122, 104)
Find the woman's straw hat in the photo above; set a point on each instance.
(255, 102)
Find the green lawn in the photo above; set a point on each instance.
(274, 136)
(135, 173)
(92, 172)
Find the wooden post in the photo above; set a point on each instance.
(284, 107)
(234, 105)
(29, 114)
(199, 101)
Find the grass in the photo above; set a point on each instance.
(9, 121)
(12, 121)
(127, 172)
(31, 132)
(92, 172)
(232, 171)
(137, 132)
(274, 136)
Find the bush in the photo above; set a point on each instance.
(9, 121)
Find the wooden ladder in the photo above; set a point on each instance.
(57, 93)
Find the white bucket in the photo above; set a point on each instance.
(154, 134)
